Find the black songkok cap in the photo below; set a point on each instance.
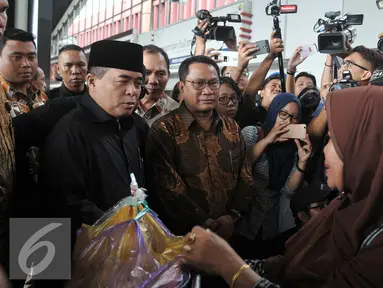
(117, 54)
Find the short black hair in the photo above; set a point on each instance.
(308, 75)
(375, 58)
(153, 49)
(175, 93)
(16, 35)
(268, 79)
(183, 71)
(223, 70)
(310, 99)
(71, 47)
(232, 84)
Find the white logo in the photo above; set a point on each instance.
(31, 246)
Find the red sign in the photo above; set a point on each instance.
(285, 9)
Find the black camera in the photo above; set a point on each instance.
(336, 31)
(345, 83)
(380, 44)
(377, 77)
(216, 32)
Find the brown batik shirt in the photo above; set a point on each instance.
(198, 174)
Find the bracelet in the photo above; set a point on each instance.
(325, 64)
(299, 169)
(291, 72)
(236, 276)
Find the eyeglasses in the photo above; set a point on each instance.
(285, 115)
(321, 205)
(245, 74)
(226, 100)
(348, 63)
(201, 84)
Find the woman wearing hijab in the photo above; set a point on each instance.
(341, 247)
(229, 98)
(278, 170)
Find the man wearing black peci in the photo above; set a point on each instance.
(88, 158)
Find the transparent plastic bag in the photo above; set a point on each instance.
(128, 247)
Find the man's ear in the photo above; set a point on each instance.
(261, 93)
(303, 217)
(366, 76)
(91, 81)
(57, 68)
(181, 86)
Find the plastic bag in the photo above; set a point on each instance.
(128, 247)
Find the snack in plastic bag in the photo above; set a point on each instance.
(128, 247)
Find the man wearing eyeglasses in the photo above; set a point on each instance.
(361, 62)
(197, 157)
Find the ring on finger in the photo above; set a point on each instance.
(192, 237)
(187, 248)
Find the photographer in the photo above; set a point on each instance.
(361, 62)
(249, 113)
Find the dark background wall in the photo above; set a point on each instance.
(11, 14)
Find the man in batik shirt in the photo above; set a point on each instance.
(155, 103)
(197, 158)
(18, 65)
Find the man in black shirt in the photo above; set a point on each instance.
(88, 158)
(72, 67)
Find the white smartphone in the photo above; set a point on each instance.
(309, 50)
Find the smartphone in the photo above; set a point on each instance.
(296, 131)
(264, 47)
(309, 50)
(226, 56)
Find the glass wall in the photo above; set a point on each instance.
(93, 20)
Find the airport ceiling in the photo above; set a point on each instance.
(59, 8)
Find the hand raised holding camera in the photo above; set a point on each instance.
(213, 54)
(202, 25)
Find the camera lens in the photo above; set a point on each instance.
(335, 44)
(380, 44)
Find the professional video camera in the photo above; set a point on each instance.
(219, 33)
(380, 44)
(337, 31)
(346, 82)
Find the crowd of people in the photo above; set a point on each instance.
(259, 208)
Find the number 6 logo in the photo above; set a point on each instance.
(31, 246)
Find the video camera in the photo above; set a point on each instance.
(219, 33)
(337, 31)
(345, 83)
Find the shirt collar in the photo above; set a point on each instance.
(188, 119)
(159, 105)
(67, 93)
